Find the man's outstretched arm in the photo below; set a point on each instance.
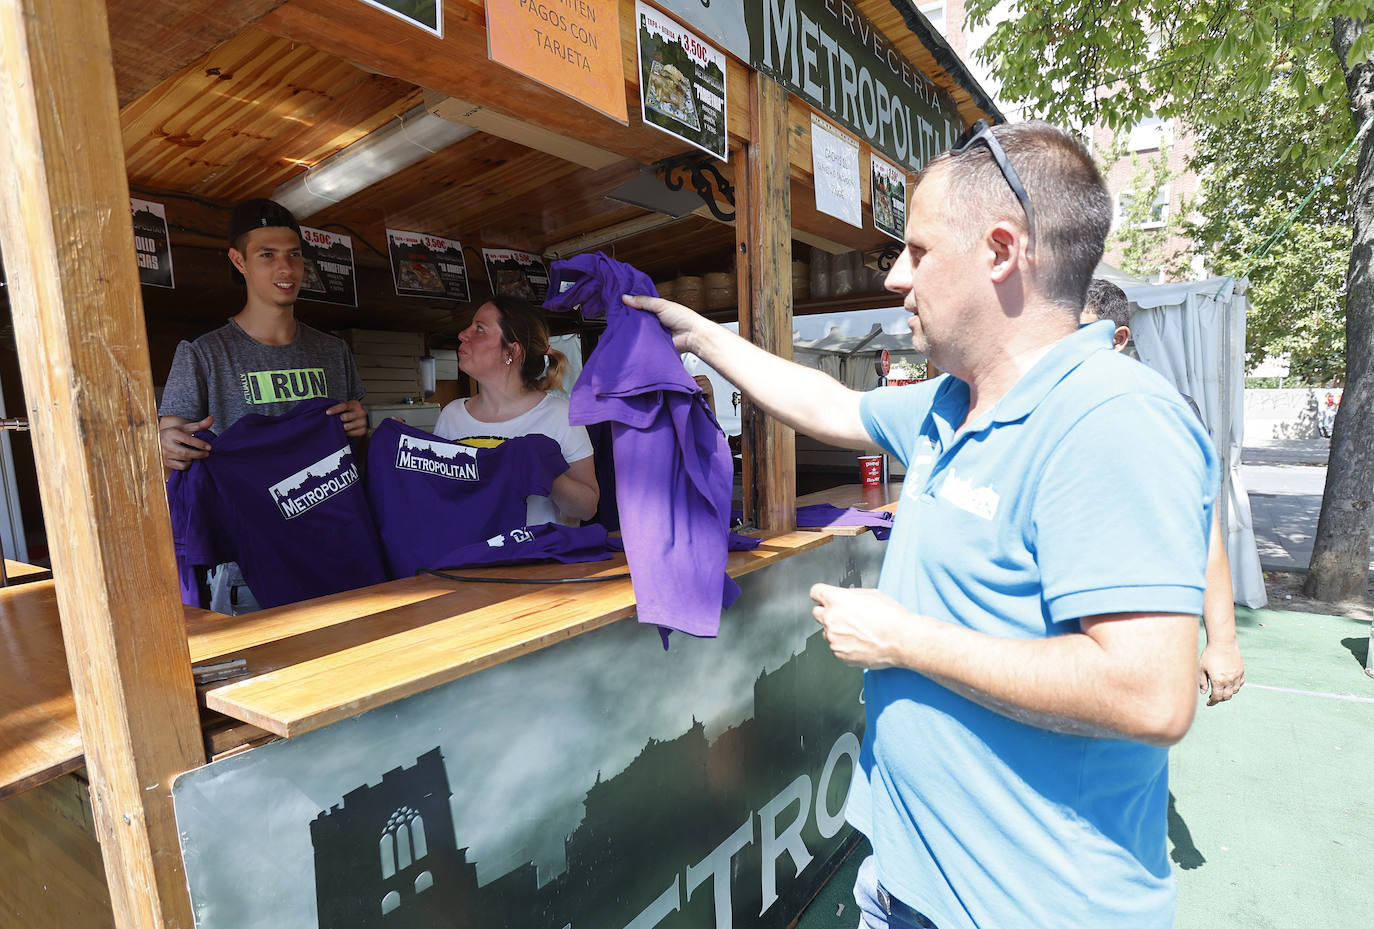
(808, 400)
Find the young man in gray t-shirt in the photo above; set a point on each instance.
(262, 360)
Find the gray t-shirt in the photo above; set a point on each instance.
(227, 373)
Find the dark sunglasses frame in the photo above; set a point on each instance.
(982, 132)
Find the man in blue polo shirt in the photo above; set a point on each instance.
(1022, 679)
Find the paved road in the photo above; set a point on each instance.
(1285, 483)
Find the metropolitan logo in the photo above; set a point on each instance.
(442, 459)
(311, 486)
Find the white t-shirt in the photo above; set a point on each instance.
(548, 417)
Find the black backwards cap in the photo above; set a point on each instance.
(257, 214)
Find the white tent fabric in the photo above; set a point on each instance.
(1194, 334)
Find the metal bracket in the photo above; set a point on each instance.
(701, 170)
(884, 257)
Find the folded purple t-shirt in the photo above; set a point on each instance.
(546, 542)
(819, 515)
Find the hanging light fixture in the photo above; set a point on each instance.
(394, 147)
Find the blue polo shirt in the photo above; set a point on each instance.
(1086, 490)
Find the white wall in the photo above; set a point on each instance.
(1276, 415)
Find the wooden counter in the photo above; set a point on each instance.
(883, 497)
(316, 663)
(39, 736)
(320, 661)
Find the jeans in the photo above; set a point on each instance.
(880, 910)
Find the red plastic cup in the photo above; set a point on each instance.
(871, 470)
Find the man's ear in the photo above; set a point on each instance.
(1120, 338)
(236, 259)
(1004, 243)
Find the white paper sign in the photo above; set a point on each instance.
(835, 165)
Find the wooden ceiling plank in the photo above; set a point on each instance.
(153, 39)
(227, 106)
(364, 109)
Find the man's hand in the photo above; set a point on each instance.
(864, 627)
(179, 444)
(676, 318)
(1221, 668)
(353, 417)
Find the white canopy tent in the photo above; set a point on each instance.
(1194, 334)
(841, 344)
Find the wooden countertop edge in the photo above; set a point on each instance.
(369, 697)
(37, 777)
(272, 701)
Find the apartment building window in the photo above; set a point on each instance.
(935, 12)
(1151, 133)
(1157, 216)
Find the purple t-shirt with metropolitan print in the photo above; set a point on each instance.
(280, 495)
(430, 496)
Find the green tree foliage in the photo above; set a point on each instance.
(1210, 63)
(1083, 62)
(1248, 189)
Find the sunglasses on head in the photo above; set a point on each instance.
(982, 132)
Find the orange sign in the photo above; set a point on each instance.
(572, 46)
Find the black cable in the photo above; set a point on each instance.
(439, 572)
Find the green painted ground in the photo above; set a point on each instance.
(1272, 825)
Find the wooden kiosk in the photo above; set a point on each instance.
(360, 709)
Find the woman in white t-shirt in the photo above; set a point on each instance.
(506, 351)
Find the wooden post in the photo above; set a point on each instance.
(763, 232)
(68, 247)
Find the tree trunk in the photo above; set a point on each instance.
(1339, 568)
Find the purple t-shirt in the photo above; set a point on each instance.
(280, 495)
(430, 496)
(546, 542)
(673, 466)
(820, 515)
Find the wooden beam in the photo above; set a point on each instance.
(154, 39)
(518, 130)
(457, 65)
(763, 232)
(69, 253)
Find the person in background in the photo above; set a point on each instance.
(1328, 416)
(1220, 668)
(1107, 301)
(1021, 679)
(263, 360)
(506, 351)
